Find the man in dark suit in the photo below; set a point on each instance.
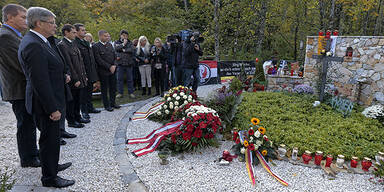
(105, 59)
(13, 82)
(90, 67)
(74, 61)
(45, 91)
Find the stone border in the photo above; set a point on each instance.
(127, 173)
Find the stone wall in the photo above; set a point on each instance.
(360, 77)
(282, 83)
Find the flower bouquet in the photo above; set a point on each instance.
(198, 130)
(255, 140)
(176, 98)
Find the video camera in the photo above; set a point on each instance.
(197, 38)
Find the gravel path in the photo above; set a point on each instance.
(198, 171)
(91, 152)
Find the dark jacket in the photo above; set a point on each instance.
(105, 57)
(44, 71)
(179, 55)
(88, 59)
(158, 56)
(124, 53)
(191, 56)
(12, 77)
(74, 61)
(142, 56)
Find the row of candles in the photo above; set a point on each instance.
(366, 163)
(328, 33)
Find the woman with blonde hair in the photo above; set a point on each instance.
(143, 57)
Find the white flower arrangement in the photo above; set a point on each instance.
(170, 106)
(374, 111)
(165, 106)
(166, 111)
(176, 103)
(174, 95)
(158, 113)
(178, 98)
(182, 94)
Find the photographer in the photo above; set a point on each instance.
(125, 63)
(159, 61)
(191, 53)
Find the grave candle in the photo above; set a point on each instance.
(379, 157)
(340, 161)
(328, 161)
(328, 34)
(366, 163)
(295, 150)
(318, 157)
(306, 157)
(335, 33)
(354, 162)
(321, 33)
(282, 150)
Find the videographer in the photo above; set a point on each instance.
(191, 53)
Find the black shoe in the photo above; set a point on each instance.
(110, 109)
(62, 142)
(75, 124)
(62, 167)
(34, 163)
(82, 120)
(67, 135)
(116, 106)
(144, 91)
(58, 182)
(86, 116)
(94, 111)
(149, 90)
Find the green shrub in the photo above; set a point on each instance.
(292, 120)
(6, 183)
(235, 85)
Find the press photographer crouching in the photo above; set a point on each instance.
(191, 53)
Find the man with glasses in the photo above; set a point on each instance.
(45, 91)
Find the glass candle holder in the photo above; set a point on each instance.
(379, 157)
(318, 157)
(307, 157)
(328, 160)
(295, 151)
(354, 162)
(340, 161)
(366, 163)
(282, 150)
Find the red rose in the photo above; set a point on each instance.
(194, 144)
(190, 128)
(251, 132)
(209, 116)
(266, 139)
(173, 137)
(187, 136)
(211, 135)
(251, 147)
(178, 132)
(202, 125)
(198, 133)
(237, 140)
(196, 117)
(214, 127)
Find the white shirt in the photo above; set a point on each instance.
(68, 39)
(40, 35)
(103, 43)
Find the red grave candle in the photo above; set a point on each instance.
(318, 157)
(328, 161)
(354, 162)
(306, 157)
(321, 33)
(366, 163)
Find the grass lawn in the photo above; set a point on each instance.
(292, 120)
(98, 103)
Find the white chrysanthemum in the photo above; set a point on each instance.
(373, 111)
(178, 98)
(242, 150)
(174, 95)
(168, 99)
(185, 97)
(170, 103)
(165, 106)
(158, 113)
(170, 106)
(176, 103)
(166, 111)
(189, 96)
(257, 134)
(182, 94)
(177, 108)
(194, 114)
(186, 102)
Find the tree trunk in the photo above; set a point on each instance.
(263, 16)
(216, 20)
(322, 15)
(186, 5)
(332, 16)
(366, 21)
(379, 19)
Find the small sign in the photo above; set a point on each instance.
(233, 68)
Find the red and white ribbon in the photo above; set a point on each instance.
(154, 138)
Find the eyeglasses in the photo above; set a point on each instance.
(50, 22)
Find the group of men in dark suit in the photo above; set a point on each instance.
(47, 80)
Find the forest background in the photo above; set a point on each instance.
(233, 29)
